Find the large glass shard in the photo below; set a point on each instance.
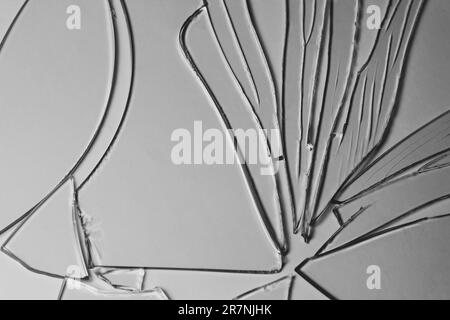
(238, 115)
(47, 242)
(131, 191)
(52, 97)
(406, 263)
(277, 290)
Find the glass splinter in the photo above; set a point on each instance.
(277, 290)
(131, 279)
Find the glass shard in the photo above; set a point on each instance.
(411, 262)
(131, 279)
(238, 115)
(17, 282)
(46, 242)
(53, 105)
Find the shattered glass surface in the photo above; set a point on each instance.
(346, 197)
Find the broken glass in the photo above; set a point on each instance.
(95, 207)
